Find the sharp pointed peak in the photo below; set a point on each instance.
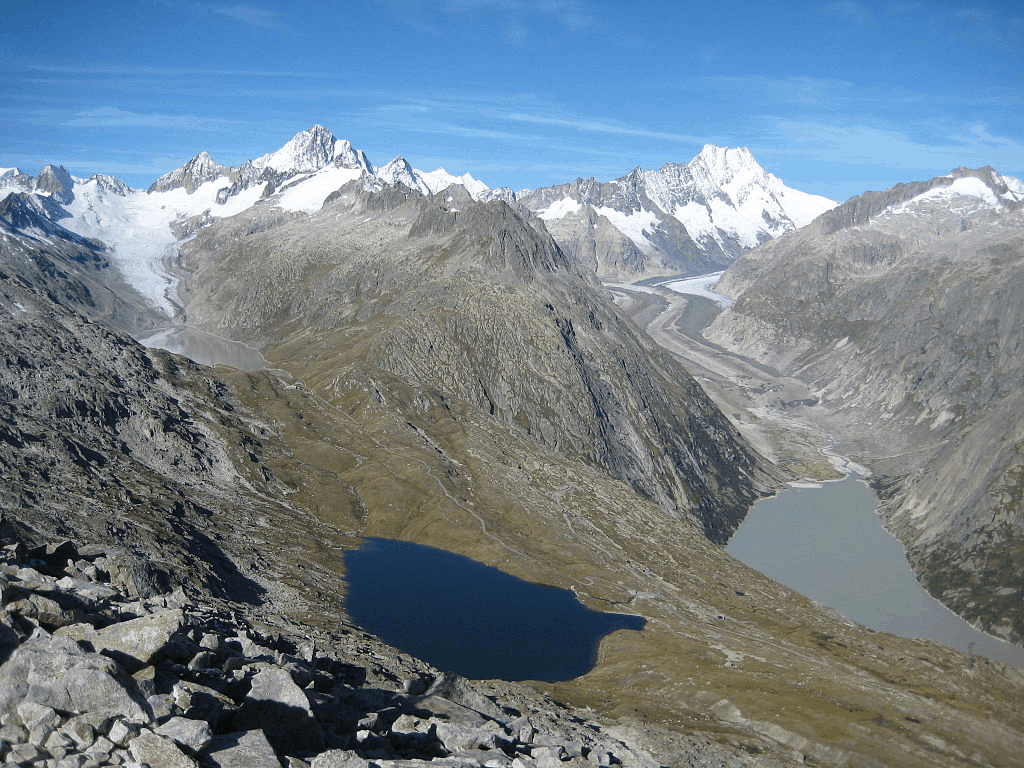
(713, 152)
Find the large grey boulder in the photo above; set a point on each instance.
(158, 751)
(57, 673)
(246, 749)
(135, 643)
(278, 707)
(196, 735)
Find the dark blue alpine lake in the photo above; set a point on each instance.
(466, 617)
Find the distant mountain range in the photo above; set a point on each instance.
(681, 219)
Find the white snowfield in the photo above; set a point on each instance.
(308, 195)
(635, 225)
(560, 209)
(964, 196)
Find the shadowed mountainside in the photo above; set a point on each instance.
(474, 306)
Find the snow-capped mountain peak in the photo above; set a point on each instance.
(723, 164)
(398, 171)
(714, 172)
(682, 217)
(306, 151)
(191, 175)
(441, 179)
(110, 184)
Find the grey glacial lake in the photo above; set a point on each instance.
(466, 617)
(828, 544)
(206, 348)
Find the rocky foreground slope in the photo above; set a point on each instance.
(902, 309)
(98, 667)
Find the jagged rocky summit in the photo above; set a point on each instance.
(308, 153)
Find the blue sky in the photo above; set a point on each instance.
(834, 97)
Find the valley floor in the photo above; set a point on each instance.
(769, 409)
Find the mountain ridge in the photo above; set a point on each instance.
(680, 219)
(900, 309)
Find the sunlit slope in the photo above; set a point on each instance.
(903, 310)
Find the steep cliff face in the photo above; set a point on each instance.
(472, 303)
(903, 308)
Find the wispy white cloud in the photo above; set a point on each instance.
(251, 15)
(972, 146)
(114, 117)
(598, 126)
